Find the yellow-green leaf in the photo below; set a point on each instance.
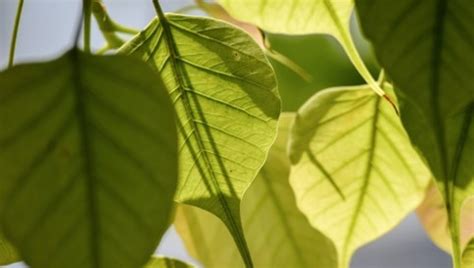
(304, 17)
(293, 16)
(224, 91)
(279, 235)
(433, 216)
(88, 156)
(468, 255)
(354, 172)
(165, 262)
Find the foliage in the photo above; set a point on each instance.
(355, 174)
(289, 242)
(434, 218)
(163, 262)
(86, 165)
(213, 81)
(186, 113)
(8, 253)
(468, 255)
(430, 62)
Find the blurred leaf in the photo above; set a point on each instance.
(304, 17)
(433, 216)
(354, 173)
(224, 91)
(326, 64)
(164, 262)
(293, 16)
(88, 174)
(279, 234)
(468, 255)
(8, 253)
(216, 11)
(426, 47)
(321, 56)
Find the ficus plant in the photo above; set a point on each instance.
(182, 124)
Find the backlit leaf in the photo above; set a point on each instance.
(468, 255)
(225, 95)
(427, 48)
(87, 171)
(293, 16)
(304, 17)
(279, 235)
(354, 172)
(433, 216)
(164, 262)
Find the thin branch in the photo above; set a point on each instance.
(108, 27)
(15, 33)
(87, 9)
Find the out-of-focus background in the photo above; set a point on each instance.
(48, 28)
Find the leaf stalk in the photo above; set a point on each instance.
(354, 56)
(87, 10)
(16, 26)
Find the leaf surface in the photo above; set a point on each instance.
(8, 253)
(330, 17)
(164, 262)
(427, 48)
(88, 174)
(293, 16)
(433, 216)
(225, 95)
(468, 255)
(279, 235)
(354, 172)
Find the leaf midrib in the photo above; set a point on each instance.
(174, 58)
(88, 156)
(457, 158)
(367, 175)
(439, 127)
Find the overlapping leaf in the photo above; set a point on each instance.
(304, 17)
(468, 255)
(279, 234)
(224, 91)
(433, 216)
(427, 48)
(354, 173)
(293, 16)
(8, 254)
(87, 172)
(164, 262)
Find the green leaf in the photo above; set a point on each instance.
(468, 255)
(227, 104)
(304, 17)
(8, 253)
(88, 172)
(333, 68)
(293, 16)
(433, 216)
(164, 262)
(426, 47)
(354, 173)
(279, 234)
